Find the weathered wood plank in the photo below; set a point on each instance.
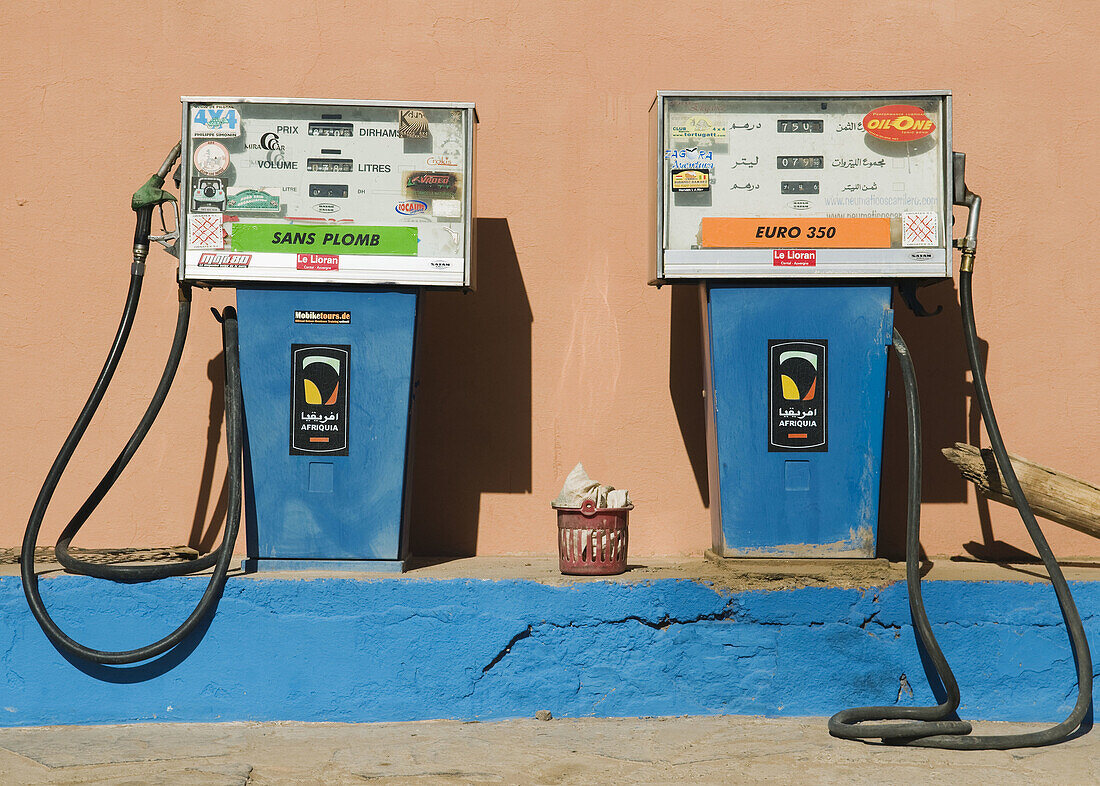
(1051, 494)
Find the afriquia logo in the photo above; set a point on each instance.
(798, 375)
(320, 380)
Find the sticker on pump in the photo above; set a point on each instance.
(919, 229)
(869, 232)
(691, 180)
(319, 404)
(205, 231)
(215, 121)
(898, 123)
(797, 405)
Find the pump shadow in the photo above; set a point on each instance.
(687, 378)
(472, 420)
(936, 346)
(143, 672)
(203, 535)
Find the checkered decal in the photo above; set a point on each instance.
(919, 229)
(205, 231)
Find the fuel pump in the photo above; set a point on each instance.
(328, 217)
(796, 214)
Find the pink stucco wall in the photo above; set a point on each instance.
(564, 354)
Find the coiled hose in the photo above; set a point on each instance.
(932, 727)
(220, 558)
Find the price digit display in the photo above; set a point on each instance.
(800, 187)
(800, 126)
(800, 162)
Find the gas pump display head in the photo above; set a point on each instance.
(801, 185)
(299, 191)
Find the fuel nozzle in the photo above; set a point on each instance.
(973, 203)
(145, 199)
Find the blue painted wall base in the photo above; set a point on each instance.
(409, 649)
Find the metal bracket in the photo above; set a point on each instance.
(171, 240)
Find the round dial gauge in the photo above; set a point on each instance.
(211, 158)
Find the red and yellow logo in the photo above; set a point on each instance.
(898, 123)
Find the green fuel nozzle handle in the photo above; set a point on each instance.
(145, 199)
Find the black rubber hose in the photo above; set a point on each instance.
(933, 735)
(851, 723)
(135, 572)
(234, 442)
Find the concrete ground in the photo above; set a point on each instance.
(722, 749)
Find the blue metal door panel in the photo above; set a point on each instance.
(326, 507)
(798, 503)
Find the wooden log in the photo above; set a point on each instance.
(1051, 494)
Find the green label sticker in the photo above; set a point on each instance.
(294, 239)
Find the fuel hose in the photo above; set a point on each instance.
(220, 559)
(934, 727)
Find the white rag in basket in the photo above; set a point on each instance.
(579, 487)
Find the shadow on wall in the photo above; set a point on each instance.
(687, 377)
(472, 428)
(204, 531)
(939, 354)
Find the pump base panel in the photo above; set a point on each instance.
(480, 646)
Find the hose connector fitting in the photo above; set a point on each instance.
(973, 203)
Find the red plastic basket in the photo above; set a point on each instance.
(591, 540)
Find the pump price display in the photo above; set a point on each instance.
(800, 162)
(340, 192)
(858, 181)
(800, 126)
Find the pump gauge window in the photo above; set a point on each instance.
(211, 158)
(801, 185)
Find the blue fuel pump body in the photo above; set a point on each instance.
(341, 509)
(784, 500)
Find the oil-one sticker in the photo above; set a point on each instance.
(691, 180)
(797, 401)
(204, 231)
(319, 401)
(215, 121)
(919, 229)
(898, 123)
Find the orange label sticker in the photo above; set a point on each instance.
(801, 232)
(898, 123)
